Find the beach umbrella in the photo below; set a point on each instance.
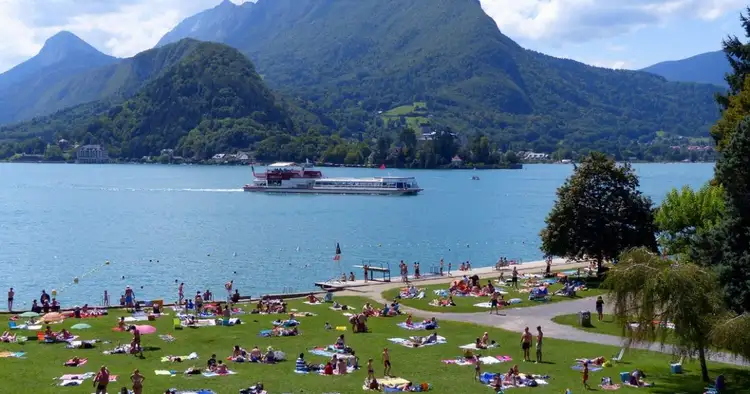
(144, 330)
(80, 326)
(29, 315)
(52, 317)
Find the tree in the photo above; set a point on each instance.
(599, 212)
(738, 106)
(687, 214)
(646, 288)
(725, 247)
(738, 55)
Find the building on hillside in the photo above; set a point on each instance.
(457, 161)
(92, 154)
(167, 152)
(63, 143)
(531, 156)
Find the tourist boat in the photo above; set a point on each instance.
(294, 178)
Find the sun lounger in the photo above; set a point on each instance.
(618, 357)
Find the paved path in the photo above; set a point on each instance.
(519, 318)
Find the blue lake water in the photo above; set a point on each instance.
(58, 222)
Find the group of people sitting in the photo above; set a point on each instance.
(511, 378)
(51, 336)
(254, 355)
(336, 365)
(216, 366)
(267, 305)
(429, 324)
(358, 322)
(443, 301)
(47, 306)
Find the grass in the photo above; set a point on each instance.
(414, 114)
(466, 304)
(43, 363)
(608, 325)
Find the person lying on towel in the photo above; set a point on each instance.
(73, 362)
(7, 337)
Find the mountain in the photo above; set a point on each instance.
(211, 99)
(55, 90)
(62, 54)
(707, 67)
(350, 59)
(214, 25)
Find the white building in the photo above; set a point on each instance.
(92, 154)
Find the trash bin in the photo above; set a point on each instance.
(584, 319)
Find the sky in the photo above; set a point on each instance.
(608, 33)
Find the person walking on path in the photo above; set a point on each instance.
(137, 379)
(442, 264)
(493, 303)
(526, 344)
(101, 380)
(539, 338)
(600, 307)
(386, 362)
(514, 277)
(11, 295)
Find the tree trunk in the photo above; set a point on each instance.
(599, 266)
(704, 367)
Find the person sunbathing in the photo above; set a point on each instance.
(312, 299)
(511, 377)
(255, 354)
(408, 320)
(485, 340)
(270, 356)
(479, 345)
(211, 363)
(497, 382)
(49, 334)
(238, 354)
(65, 334)
(121, 324)
(8, 337)
(341, 366)
(221, 368)
(73, 362)
(599, 361)
(340, 343)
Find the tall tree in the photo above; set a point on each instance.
(738, 106)
(738, 55)
(686, 214)
(726, 246)
(599, 212)
(645, 289)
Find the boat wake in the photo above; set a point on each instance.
(163, 190)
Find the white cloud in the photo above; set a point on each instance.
(563, 21)
(116, 27)
(614, 64)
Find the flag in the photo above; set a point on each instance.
(382, 166)
(337, 257)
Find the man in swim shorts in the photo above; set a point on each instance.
(526, 344)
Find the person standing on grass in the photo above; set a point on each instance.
(526, 344)
(101, 380)
(386, 362)
(493, 303)
(180, 293)
(514, 277)
(600, 307)
(539, 338)
(370, 371)
(442, 264)
(137, 379)
(586, 375)
(11, 294)
(477, 369)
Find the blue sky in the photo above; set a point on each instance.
(609, 33)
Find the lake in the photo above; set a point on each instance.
(157, 224)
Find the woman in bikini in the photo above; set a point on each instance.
(137, 379)
(386, 362)
(370, 371)
(101, 380)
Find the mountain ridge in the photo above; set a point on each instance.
(708, 67)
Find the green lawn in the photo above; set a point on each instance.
(413, 113)
(608, 325)
(466, 304)
(43, 363)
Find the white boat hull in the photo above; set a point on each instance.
(322, 190)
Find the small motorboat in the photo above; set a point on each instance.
(474, 178)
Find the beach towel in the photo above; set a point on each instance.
(417, 326)
(473, 346)
(191, 356)
(335, 371)
(483, 305)
(329, 351)
(81, 344)
(164, 372)
(11, 354)
(312, 303)
(131, 319)
(610, 387)
(209, 374)
(485, 360)
(167, 338)
(77, 376)
(579, 367)
(122, 349)
(201, 391)
(409, 343)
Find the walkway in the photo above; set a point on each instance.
(519, 318)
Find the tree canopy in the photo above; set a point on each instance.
(738, 55)
(599, 212)
(686, 214)
(646, 288)
(725, 247)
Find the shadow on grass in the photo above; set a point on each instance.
(737, 380)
